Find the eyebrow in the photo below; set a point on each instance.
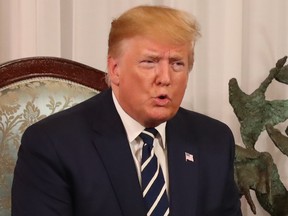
(176, 58)
(155, 55)
(151, 55)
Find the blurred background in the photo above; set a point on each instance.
(241, 39)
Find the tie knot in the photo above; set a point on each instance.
(150, 131)
(148, 135)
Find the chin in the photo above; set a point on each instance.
(155, 121)
(159, 116)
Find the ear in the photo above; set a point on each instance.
(113, 70)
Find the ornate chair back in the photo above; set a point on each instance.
(30, 90)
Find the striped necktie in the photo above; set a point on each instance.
(153, 183)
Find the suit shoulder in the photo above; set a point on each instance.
(192, 119)
(77, 115)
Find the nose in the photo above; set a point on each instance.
(163, 77)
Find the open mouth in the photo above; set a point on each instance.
(162, 100)
(162, 97)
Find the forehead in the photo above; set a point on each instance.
(154, 47)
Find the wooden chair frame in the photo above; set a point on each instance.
(33, 67)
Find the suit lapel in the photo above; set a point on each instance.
(112, 145)
(183, 174)
(113, 148)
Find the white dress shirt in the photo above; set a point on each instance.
(133, 129)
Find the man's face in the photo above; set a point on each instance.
(149, 79)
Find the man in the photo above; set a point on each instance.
(89, 160)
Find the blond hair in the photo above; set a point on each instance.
(159, 22)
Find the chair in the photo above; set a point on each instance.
(30, 90)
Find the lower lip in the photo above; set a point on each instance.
(162, 102)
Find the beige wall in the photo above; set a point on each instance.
(240, 38)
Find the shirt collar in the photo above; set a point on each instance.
(134, 128)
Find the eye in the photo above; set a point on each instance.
(148, 63)
(178, 66)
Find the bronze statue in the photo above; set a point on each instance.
(253, 169)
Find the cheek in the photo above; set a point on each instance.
(180, 87)
(138, 81)
(130, 87)
(181, 81)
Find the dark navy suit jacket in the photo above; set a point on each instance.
(78, 162)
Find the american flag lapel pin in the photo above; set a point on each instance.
(189, 157)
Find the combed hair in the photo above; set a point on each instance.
(159, 22)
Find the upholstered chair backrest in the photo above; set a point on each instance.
(30, 90)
